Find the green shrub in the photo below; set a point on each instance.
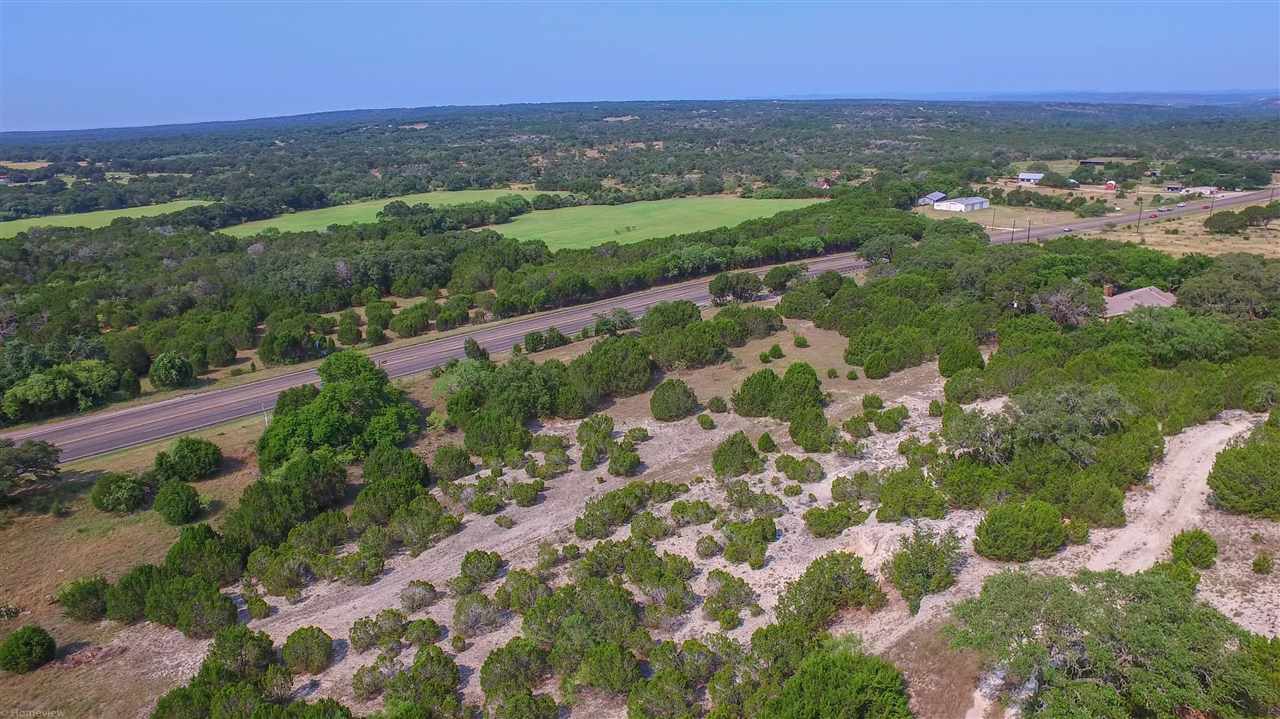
(908, 493)
(127, 598)
(202, 552)
(705, 422)
(192, 604)
(485, 503)
(832, 583)
(520, 591)
(799, 390)
(833, 373)
(177, 502)
(27, 649)
(775, 352)
(735, 457)
(474, 614)
(649, 527)
(766, 444)
(707, 547)
(478, 568)
(957, 356)
(608, 666)
(757, 393)
(717, 404)
(837, 681)
(727, 596)
(308, 651)
(861, 486)
(799, 470)
(872, 401)
(423, 631)
(672, 400)
(876, 366)
(418, 594)
(691, 512)
(792, 490)
(1263, 563)
(84, 599)
(831, 521)
(890, 420)
(1019, 532)
(384, 630)
(1195, 547)
(851, 375)
(935, 408)
(624, 461)
(1246, 479)
(809, 429)
(858, 427)
(764, 358)
(747, 541)
(525, 494)
(119, 493)
(925, 563)
(451, 462)
(190, 459)
(170, 370)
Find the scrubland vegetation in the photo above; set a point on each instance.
(690, 513)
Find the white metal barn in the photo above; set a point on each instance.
(963, 204)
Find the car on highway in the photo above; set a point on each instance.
(1154, 215)
(1182, 204)
(1204, 207)
(1066, 229)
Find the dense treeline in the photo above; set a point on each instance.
(652, 150)
(87, 313)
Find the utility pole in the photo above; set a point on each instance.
(1028, 230)
(1139, 213)
(1013, 230)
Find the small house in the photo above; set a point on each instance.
(1030, 178)
(931, 198)
(1126, 302)
(1173, 187)
(963, 204)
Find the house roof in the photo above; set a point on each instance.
(1030, 175)
(1126, 302)
(935, 196)
(968, 200)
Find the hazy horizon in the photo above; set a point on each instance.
(69, 66)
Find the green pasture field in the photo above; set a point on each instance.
(366, 211)
(591, 225)
(99, 218)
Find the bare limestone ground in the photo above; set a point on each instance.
(138, 663)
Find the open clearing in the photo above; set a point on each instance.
(120, 671)
(1184, 235)
(99, 218)
(24, 164)
(366, 211)
(591, 225)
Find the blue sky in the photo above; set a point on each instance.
(105, 64)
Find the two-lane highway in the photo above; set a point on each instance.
(110, 430)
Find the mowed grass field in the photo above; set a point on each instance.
(99, 218)
(591, 225)
(366, 211)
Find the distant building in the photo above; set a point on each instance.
(1110, 186)
(1206, 190)
(1093, 162)
(1030, 178)
(963, 204)
(823, 184)
(1126, 302)
(931, 198)
(1173, 187)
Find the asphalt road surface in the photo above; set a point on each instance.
(110, 430)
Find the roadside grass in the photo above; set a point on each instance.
(367, 211)
(99, 218)
(1185, 235)
(590, 225)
